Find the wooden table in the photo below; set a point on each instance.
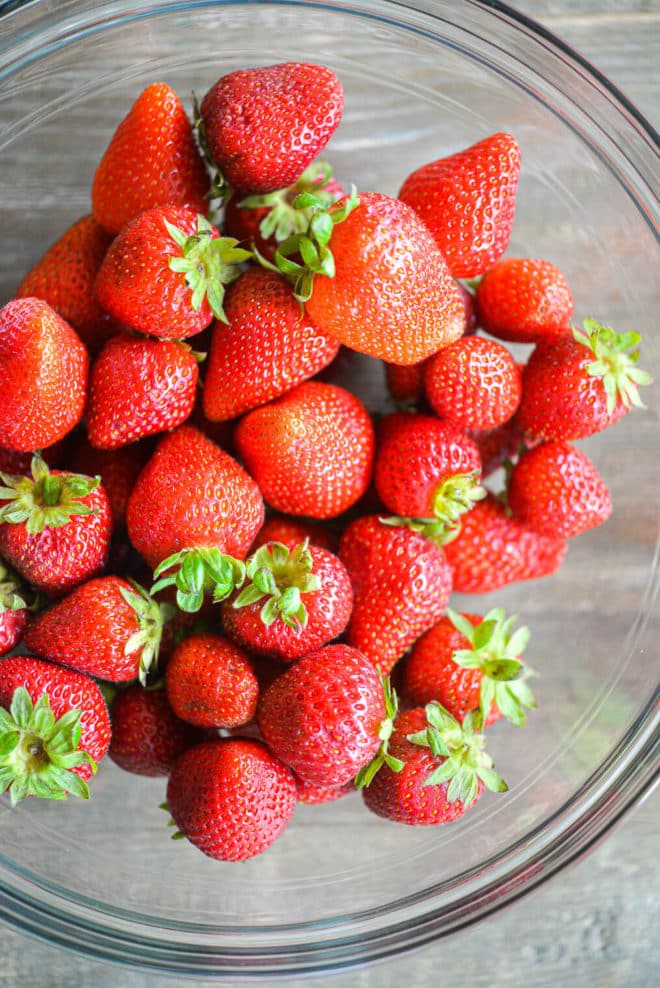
(596, 924)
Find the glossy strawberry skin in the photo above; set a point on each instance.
(467, 200)
(401, 586)
(379, 247)
(497, 445)
(147, 736)
(67, 690)
(264, 126)
(151, 160)
(310, 451)
(12, 626)
(191, 493)
(43, 367)
(292, 531)
(231, 798)
(139, 387)
(524, 300)
(265, 350)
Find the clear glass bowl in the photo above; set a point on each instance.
(421, 79)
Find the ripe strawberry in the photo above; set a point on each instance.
(55, 527)
(580, 384)
(139, 387)
(264, 350)
(497, 446)
(210, 682)
(293, 531)
(492, 550)
(117, 468)
(54, 729)
(14, 461)
(445, 769)
(14, 613)
(43, 367)
(295, 601)
(165, 273)
(264, 126)
(474, 383)
(401, 586)
(194, 512)
(467, 200)
(147, 736)
(470, 661)
(231, 798)
(557, 490)
(524, 300)
(108, 628)
(313, 795)
(310, 451)
(64, 277)
(151, 160)
(405, 382)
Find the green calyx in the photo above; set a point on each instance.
(38, 752)
(281, 576)
(151, 617)
(382, 756)
(453, 497)
(283, 219)
(496, 651)
(462, 748)
(616, 362)
(44, 500)
(12, 595)
(197, 572)
(208, 263)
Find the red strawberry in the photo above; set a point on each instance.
(210, 682)
(492, 550)
(165, 273)
(580, 384)
(467, 200)
(310, 451)
(43, 367)
(266, 348)
(557, 490)
(474, 383)
(470, 661)
(147, 736)
(117, 468)
(107, 628)
(139, 387)
(524, 300)
(444, 769)
(231, 798)
(500, 444)
(313, 795)
(401, 586)
(264, 126)
(64, 277)
(13, 461)
(326, 715)
(293, 531)
(151, 160)
(54, 729)
(55, 527)
(295, 601)
(405, 382)
(14, 613)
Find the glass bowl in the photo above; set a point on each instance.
(421, 79)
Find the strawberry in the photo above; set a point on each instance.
(231, 798)
(313, 795)
(328, 716)
(117, 468)
(470, 661)
(467, 200)
(293, 531)
(54, 729)
(139, 387)
(524, 300)
(64, 277)
(295, 600)
(43, 366)
(210, 682)
(108, 628)
(14, 613)
(557, 490)
(405, 382)
(165, 273)
(310, 451)
(151, 160)
(14, 461)
(55, 527)
(444, 769)
(147, 736)
(264, 126)
(474, 383)
(499, 445)
(192, 514)
(492, 550)
(401, 586)
(264, 350)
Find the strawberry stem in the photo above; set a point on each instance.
(283, 219)
(616, 362)
(281, 576)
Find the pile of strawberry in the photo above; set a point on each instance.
(213, 558)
